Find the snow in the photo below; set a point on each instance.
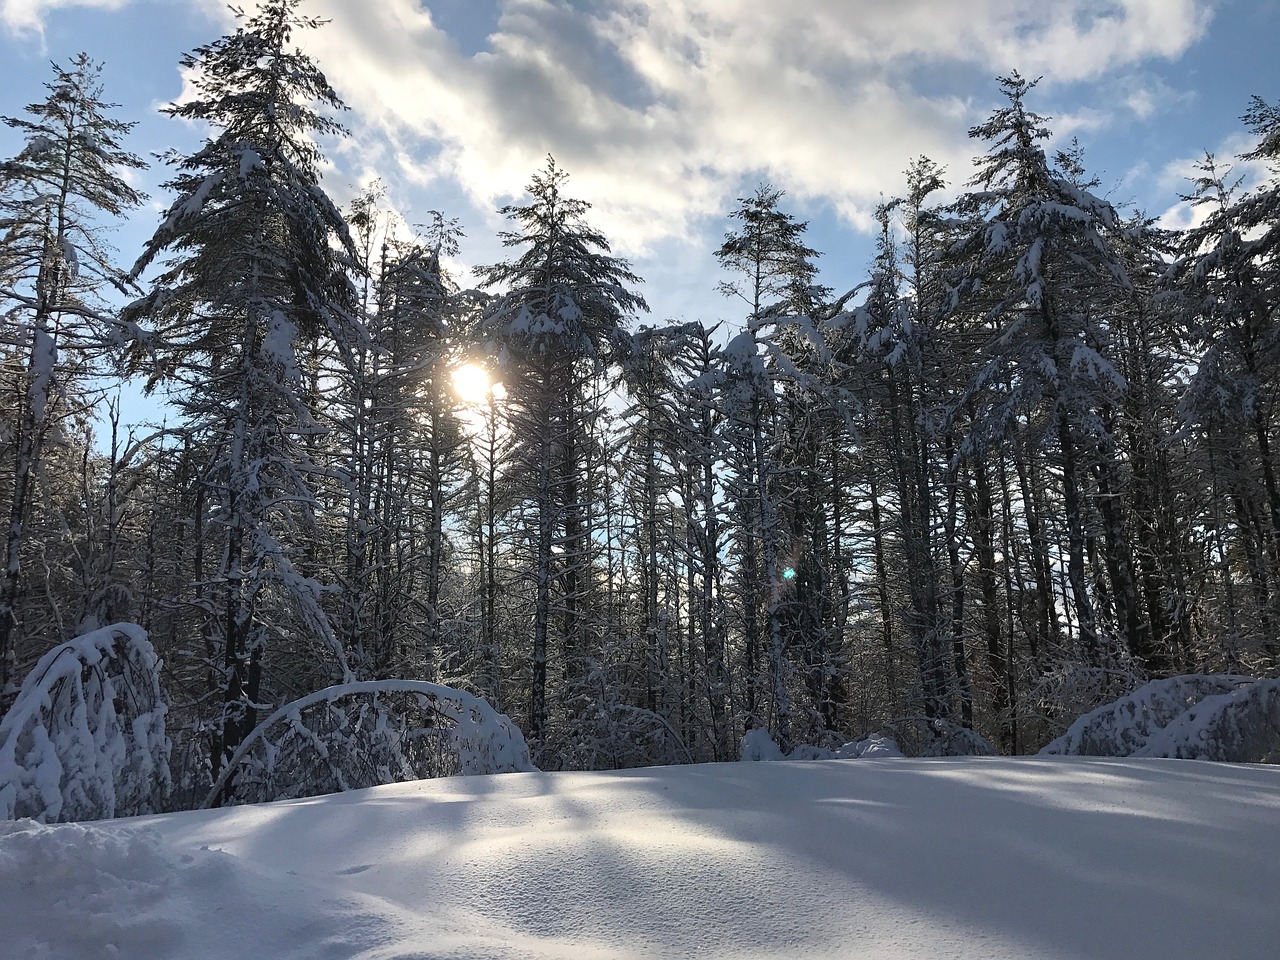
(356, 739)
(1156, 719)
(278, 347)
(70, 257)
(85, 736)
(967, 859)
(44, 360)
(250, 159)
(189, 206)
(41, 145)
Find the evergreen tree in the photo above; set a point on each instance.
(256, 273)
(1040, 268)
(1229, 272)
(563, 298)
(70, 175)
(774, 265)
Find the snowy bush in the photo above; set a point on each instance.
(1242, 726)
(758, 745)
(948, 739)
(1070, 690)
(1123, 728)
(85, 739)
(616, 736)
(368, 733)
(924, 737)
(869, 748)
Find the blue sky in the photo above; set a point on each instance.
(664, 111)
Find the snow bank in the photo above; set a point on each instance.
(85, 737)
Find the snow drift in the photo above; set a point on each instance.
(967, 859)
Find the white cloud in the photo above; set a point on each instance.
(27, 16)
(662, 109)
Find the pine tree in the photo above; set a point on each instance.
(53, 265)
(774, 264)
(256, 273)
(1037, 267)
(563, 298)
(1229, 273)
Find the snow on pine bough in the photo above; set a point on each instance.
(367, 733)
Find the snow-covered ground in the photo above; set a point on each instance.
(884, 859)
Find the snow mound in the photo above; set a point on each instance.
(758, 745)
(1125, 727)
(112, 892)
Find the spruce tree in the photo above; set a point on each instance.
(65, 185)
(562, 299)
(257, 254)
(766, 251)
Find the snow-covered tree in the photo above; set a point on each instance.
(561, 298)
(1039, 266)
(368, 733)
(85, 738)
(255, 275)
(56, 195)
(772, 265)
(1229, 274)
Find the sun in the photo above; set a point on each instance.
(471, 383)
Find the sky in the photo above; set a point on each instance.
(664, 112)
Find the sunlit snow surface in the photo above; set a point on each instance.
(883, 859)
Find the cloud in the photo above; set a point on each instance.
(1241, 176)
(23, 17)
(662, 109)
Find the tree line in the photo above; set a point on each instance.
(1022, 465)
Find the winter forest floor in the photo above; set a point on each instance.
(969, 859)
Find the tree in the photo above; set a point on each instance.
(563, 298)
(256, 272)
(1229, 274)
(402, 446)
(903, 443)
(85, 739)
(53, 264)
(774, 264)
(1040, 266)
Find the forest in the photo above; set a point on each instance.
(1016, 469)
